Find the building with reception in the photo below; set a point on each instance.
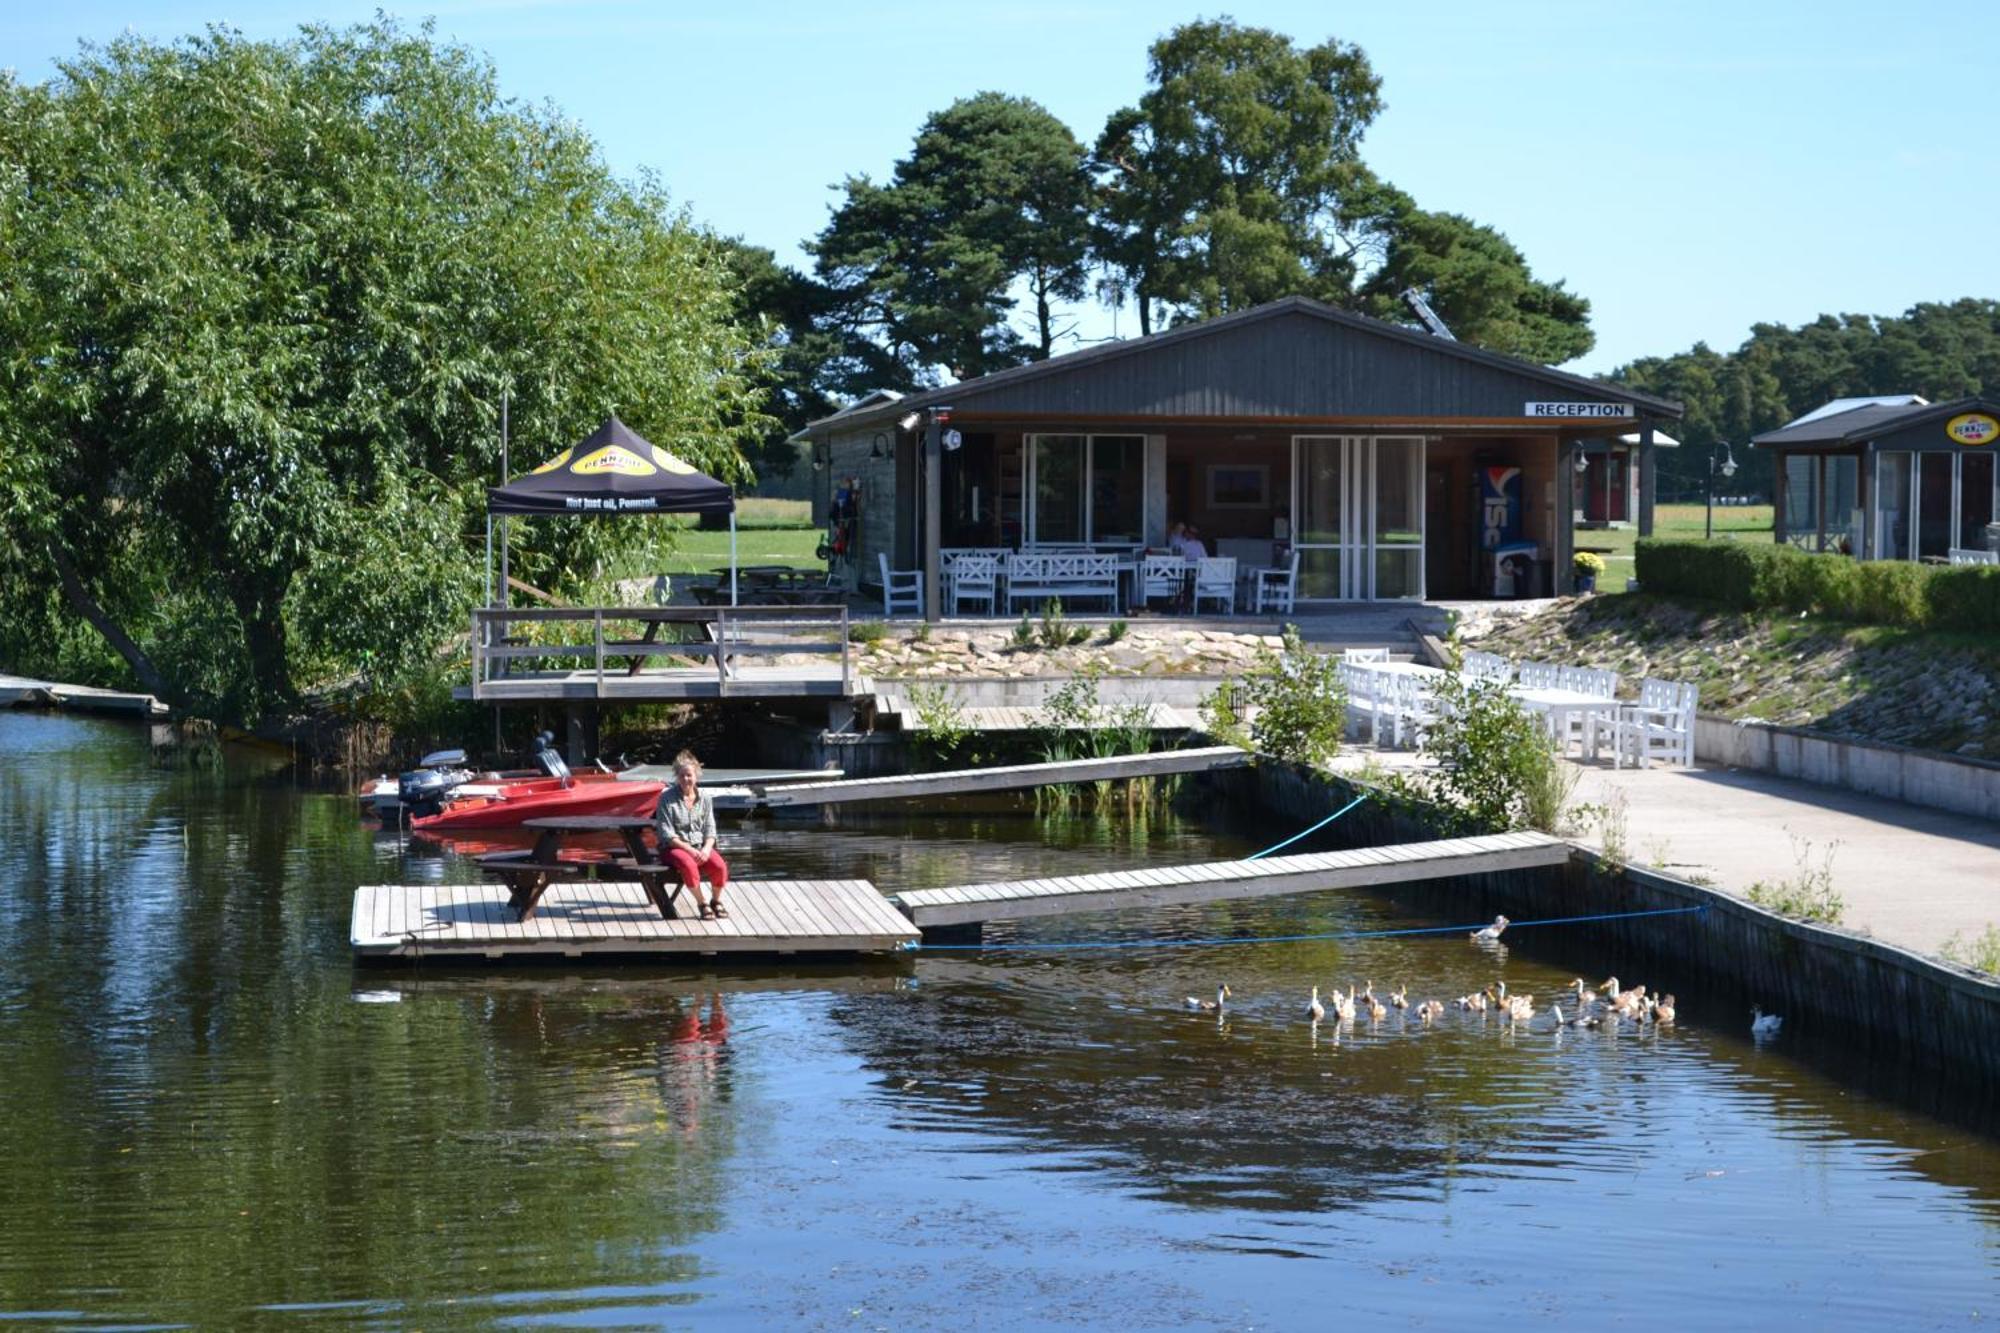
(1892, 478)
(1394, 463)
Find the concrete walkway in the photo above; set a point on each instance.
(1910, 876)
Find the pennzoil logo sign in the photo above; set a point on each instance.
(1973, 428)
(613, 458)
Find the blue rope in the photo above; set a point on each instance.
(1216, 941)
(1314, 829)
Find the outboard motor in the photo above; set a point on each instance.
(426, 789)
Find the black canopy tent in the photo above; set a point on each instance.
(613, 471)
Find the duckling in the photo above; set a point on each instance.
(1582, 989)
(1609, 989)
(1343, 1005)
(1520, 1008)
(1377, 1011)
(1400, 998)
(1491, 934)
(1430, 1011)
(1580, 1019)
(1663, 1011)
(1315, 1011)
(1213, 1006)
(1763, 1024)
(1477, 1002)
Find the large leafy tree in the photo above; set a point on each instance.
(1237, 178)
(261, 301)
(994, 194)
(1479, 283)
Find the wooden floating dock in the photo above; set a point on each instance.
(1226, 881)
(1009, 777)
(576, 918)
(21, 692)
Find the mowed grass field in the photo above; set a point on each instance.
(1741, 522)
(768, 532)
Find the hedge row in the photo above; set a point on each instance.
(1752, 576)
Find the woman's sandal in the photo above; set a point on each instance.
(707, 912)
(720, 911)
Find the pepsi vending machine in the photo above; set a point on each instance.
(1504, 553)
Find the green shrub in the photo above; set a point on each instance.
(1115, 631)
(1964, 597)
(941, 729)
(1300, 705)
(1887, 592)
(1496, 766)
(1808, 895)
(1749, 577)
(1981, 952)
(866, 632)
(1054, 628)
(1024, 633)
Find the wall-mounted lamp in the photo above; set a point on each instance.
(909, 421)
(1582, 460)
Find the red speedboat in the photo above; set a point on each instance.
(506, 804)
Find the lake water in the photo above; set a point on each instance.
(211, 1118)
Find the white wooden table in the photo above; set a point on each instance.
(1560, 707)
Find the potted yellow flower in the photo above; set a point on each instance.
(1587, 565)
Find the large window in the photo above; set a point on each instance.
(1822, 502)
(1975, 498)
(1086, 489)
(1892, 506)
(1934, 506)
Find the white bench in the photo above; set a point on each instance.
(1961, 555)
(1035, 576)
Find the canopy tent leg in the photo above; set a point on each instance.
(489, 558)
(732, 557)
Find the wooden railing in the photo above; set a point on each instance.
(631, 636)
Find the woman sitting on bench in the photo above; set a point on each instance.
(685, 822)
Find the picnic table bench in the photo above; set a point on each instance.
(528, 874)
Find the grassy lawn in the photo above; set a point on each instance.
(697, 552)
(1742, 522)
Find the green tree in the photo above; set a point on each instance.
(994, 193)
(261, 300)
(1237, 178)
(1480, 285)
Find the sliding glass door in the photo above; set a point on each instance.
(1358, 517)
(1929, 501)
(1086, 488)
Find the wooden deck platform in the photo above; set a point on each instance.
(659, 684)
(584, 917)
(1223, 881)
(1007, 777)
(20, 691)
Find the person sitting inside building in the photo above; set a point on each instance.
(1185, 539)
(685, 823)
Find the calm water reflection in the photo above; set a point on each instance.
(213, 1119)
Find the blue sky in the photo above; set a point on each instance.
(1692, 168)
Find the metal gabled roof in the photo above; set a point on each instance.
(966, 393)
(1866, 422)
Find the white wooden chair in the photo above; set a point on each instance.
(1487, 666)
(1410, 707)
(1963, 555)
(1368, 702)
(974, 576)
(902, 589)
(1539, 675)
(1364, 655)
(1215, 581)
(1162, 577)
(1588, 680)
(1659, 726)
(1275, 588)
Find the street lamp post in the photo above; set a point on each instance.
(1727, 467)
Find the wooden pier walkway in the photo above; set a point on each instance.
(582, 917)
(1224, 881)
(20, 691)
(1009, 777)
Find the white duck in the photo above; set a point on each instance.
(1213, 1006)
(1763, 1024)
(1315, 1011)
(1490, 934)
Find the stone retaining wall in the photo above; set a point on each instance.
(1921, 777)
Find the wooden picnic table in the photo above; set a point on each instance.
(529, 874)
